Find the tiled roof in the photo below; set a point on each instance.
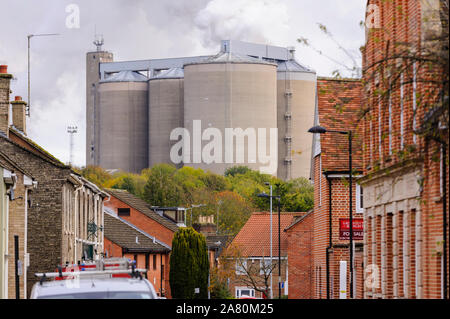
(254, 238)
(339, 105)
(124, 235)
(298, 219)
(141, 206)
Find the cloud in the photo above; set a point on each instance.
(142, 29)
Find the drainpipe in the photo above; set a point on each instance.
(330, 239)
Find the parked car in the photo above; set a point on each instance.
(89, 282)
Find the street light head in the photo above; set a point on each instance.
(317, 129)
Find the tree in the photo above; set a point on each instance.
(247, 271)
(161, 188)
(189, 265)
(95, 174)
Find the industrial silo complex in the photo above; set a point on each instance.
(249, 104)
(166, 95)
(123, 120)
(236, 96)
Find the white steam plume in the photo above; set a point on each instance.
(261, 21)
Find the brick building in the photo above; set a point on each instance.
(406, 149)
(123, 239)
(338, 105)
(64, 214)
(252, 255)
(300, 258)
(14, 215)
(138, 213)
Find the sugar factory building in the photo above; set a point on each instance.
(133, 107)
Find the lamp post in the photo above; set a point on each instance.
(29, 38)
(271, 255)
(279, 238)
(322, 130)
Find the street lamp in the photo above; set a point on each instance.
(279, 238)
(29, 38)
(321, 130)
(271, 255)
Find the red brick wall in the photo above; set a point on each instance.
(147, 224)
(148, 261)
(340, 209)
(402, 22)
(300, 261)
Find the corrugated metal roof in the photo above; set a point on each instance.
(126, 76)
(229, 57)
(293, 66)
(172, 73)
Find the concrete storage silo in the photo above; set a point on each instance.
(166, 93)
(296, 98)
(123, 122)
(229, 91)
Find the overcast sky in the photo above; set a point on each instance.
(143, 29)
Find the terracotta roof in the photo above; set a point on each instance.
(298, 219)
(141, 206)
(123, 234)
(254, 238)
(339, 104)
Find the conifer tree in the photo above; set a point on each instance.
(189, 265)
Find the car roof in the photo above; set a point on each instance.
(92, 284)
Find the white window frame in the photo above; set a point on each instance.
(238, 291)
(414, 101)
(262, 262)
(402, 129)
(358, 195)
(240, 270)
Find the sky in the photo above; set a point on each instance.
(145, 29)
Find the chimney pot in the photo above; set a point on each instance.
(3, 68)
(18, 98)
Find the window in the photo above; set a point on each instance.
(265, 266)
(359, 199)
(123, 211)
(379, 128)
(244, 292)
(402, 139)
(390, 124)
(241, 266)
(414, 101)
(154, 262)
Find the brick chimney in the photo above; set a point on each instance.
(5, 80)
(19, 114)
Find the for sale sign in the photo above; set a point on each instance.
(344, 229)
